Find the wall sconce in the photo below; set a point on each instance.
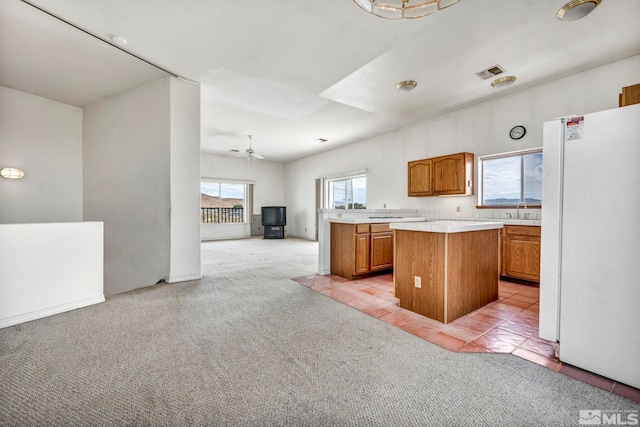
(12, 173)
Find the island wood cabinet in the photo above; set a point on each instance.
(359, 249)
(444, 276)
(440, 176)
(521, 252)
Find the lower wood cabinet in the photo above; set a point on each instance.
(381, 252)
(521, 252)
(360, 249)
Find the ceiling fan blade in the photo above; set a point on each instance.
(258, 156)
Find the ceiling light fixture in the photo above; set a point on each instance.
(577, 9)
(399, 9)
(12, 173)
(503, 81)
(407, 85)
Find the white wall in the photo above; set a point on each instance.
(47, 269)
(268, 190)
(43, 138)
(480, 129)
(185, 182)
(127, 182)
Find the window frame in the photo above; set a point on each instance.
(247, 216)
(327, 193)
(519, 153)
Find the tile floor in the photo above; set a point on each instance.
(508, 325)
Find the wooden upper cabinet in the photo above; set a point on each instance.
(444, 175)
(630, 95)
(420, 172)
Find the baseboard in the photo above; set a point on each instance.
(185, 278)
(50, 311)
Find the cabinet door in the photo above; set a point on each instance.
(361, 260)
(381, 251)
(449, 174)
(419, 178)
(630, 95)
(523, 258)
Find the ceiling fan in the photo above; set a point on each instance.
(250, 154)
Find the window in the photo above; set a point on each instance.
(225, 202)
(346, 192)
(508, 179)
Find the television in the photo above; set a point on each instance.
(274, 215)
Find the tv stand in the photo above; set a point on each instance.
(274, 231)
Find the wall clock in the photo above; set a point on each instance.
(517, 132)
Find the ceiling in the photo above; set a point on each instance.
(290, 72)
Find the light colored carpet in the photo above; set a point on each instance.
(246, 346)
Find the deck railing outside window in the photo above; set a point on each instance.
(221, 215)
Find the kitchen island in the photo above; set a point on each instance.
(446, 269)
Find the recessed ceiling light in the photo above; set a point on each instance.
(503, 81)
(118, 40)
(407, 85)
(576, 9)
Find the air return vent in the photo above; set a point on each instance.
(490, 72)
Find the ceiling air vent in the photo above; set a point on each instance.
(490, 72)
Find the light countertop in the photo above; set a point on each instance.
(376, 220)
(447, 226)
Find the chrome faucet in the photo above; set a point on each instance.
(524, 205)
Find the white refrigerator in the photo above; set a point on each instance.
(590, 247)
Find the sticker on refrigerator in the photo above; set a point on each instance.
(575, 128)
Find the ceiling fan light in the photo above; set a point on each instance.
(365, 4)
(408, 9)
(577, 9)
(446, 3)
(420, 10)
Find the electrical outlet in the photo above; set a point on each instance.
(417, 281)
(458, 209)
(385, 205)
